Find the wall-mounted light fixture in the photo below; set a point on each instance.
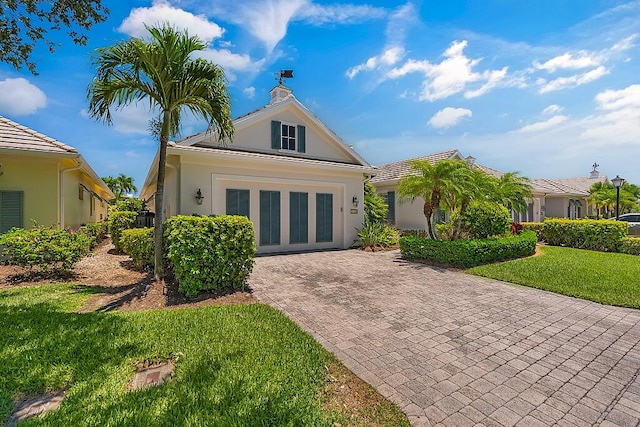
(355, 201)
(199, 197)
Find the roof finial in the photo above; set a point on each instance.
(594, 172)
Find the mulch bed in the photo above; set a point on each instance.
(122, 285)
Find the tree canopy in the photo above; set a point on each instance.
(163, 72)
(25, 23)
(120, 185)
(603, 196)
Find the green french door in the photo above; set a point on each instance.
(269, 218)
(324, 217)
(298, 217)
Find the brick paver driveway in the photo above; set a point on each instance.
(454, 349)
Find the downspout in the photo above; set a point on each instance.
(62, 171)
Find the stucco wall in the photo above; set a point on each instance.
(556, 207)
(81, 211)
(214, 175)
(37, 177)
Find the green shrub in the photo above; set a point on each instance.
(630, 245)
(484, 219)
(119, 221)
(375, 206)
(130, 204)
(377, 235)
(96, 230)
(138, 244)
(597, 235)
(536, 227)
(45, 248)
(468, 253)
(210, 253)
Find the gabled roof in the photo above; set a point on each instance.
(550, 186)
(204, 139)
(396, 170)
(582, 183)
(14, 136)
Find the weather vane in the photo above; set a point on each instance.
(284, 74)
(595, 165)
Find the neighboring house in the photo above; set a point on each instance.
(299, 183)
(560, 198)
(46, 181)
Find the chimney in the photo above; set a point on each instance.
(594, 173)
(279, 93)
(470, 160)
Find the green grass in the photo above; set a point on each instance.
(243, 365)
(607, 278)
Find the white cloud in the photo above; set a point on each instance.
(552, 109)
(268, 20)
(161, 12)
(620, 121)
(249, 92)
(231, 61)
(132, 119)
(572, 81)
(618, 99)
(20, 97)
(453, 75)
(388, 57)
(448, 117)
(581, 59)
(543, 125)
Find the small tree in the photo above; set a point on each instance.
(120, 185)
(375, 207)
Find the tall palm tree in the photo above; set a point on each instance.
(162, 72)
(513, 191)
(473, 184)
(126, 185)
(435, 183)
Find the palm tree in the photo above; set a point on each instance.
(472, 184)
(512, 191)
(162, 72)
(120, 185)
(435, 183)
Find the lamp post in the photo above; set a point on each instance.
(617, 182)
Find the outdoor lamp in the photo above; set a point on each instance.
(617, 182)
(355, 201)
(199, 197)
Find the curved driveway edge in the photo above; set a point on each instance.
(458, 350)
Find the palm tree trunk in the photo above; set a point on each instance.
(158, 270)
(428, 214)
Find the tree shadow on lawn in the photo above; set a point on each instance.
(44, 349)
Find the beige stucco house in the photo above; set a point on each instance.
(298, 182)
(560, 198)
(46, 181)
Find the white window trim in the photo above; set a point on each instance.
(296, 141)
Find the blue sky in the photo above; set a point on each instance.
(546, 88)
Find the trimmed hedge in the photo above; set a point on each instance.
(118, 222)
(597, 235)
(468, 253)
(45, 248)
(536, 227)
(630, 245)
(138, 244)
(96, 230)
(210, 253)
(483, 220)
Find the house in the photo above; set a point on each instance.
(295, 179)
(45, 181)
(551, 198)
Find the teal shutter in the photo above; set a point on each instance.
(324, 217)
(391, 204)
(269, 218)
(302, 139)
(276, 134)
(298, 217)
(238, 202)
(11, 210)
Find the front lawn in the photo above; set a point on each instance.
(607, 278)
(242, 365)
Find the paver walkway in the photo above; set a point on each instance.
(459, 350)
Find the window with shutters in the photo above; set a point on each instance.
(324, 217)
(298, 217)
(269, 218)
(238, 202)
(391, 205)
(11, 210)
(288, 136)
